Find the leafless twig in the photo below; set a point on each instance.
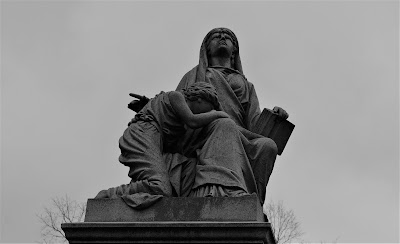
(63, 210)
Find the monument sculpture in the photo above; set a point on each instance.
(202, 153)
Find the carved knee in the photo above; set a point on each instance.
(268, 145)
(224, 124)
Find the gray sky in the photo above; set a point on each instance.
(67, 69)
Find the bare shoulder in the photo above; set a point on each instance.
(178, 103)
(175, 95)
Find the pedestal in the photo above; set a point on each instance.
(173, 220)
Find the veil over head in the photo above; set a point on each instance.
(203, 61)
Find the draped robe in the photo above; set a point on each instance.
(221, 147)
(225, 153)
(153, 131)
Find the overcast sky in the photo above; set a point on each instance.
(67, 69)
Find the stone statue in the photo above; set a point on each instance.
(208, 138)
(217, 153)
(156, 128)
(231, 159)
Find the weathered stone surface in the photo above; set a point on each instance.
(245, 208)
(169, 232)
(173, 220)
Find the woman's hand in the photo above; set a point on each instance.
(280, 112)
(221, 114)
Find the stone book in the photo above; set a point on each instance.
(270, 125)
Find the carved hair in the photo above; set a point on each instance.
(204, 91)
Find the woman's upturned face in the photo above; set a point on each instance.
(220, 43)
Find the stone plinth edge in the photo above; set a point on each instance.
(246, 208)
(169, 232)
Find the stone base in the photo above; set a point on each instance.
(246, 208)
(173, 220)
(169, 232)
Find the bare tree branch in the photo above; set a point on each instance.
(63, 210)
(285, 227)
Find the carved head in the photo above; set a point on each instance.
(221, 35)
(202, 91)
